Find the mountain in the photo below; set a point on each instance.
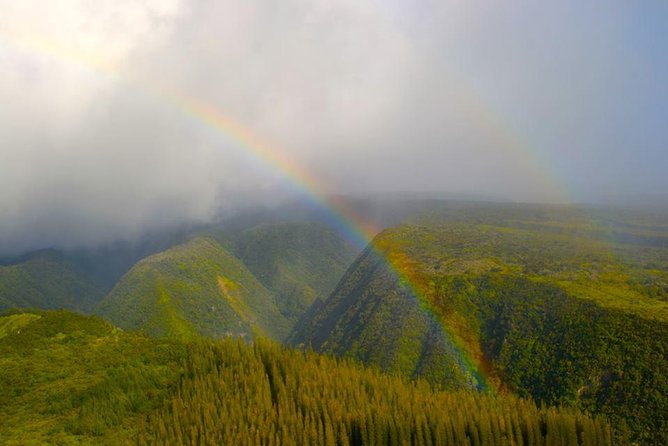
(243, 283)
(47, 279)
(373, 318)
(297, 261)
(75, 279)
(195, 288)
(564, 305)
(69, 379)
(106, 264)
(548, 308)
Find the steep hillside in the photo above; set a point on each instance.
(298, 262)
(74, 380)
(372, 317)
(565, 319)
(196, 288)
(46, 279)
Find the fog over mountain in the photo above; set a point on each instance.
(525, 100)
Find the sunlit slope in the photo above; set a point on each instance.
(74, 380)
(196, 288)
(297, 261)
(565, 319)
(47, 280)
(627, 276)
(69, 379)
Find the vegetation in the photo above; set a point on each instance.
(371, 318)
(297, 261)
(194, 289)
(259, 281)
(70, 379)
(269, 395)
(563, 317)
(562, 350)
(47, 280)
(566, 306)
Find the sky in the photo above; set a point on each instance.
(521, 100)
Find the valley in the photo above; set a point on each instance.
(511, 319)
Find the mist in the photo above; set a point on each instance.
(532, 102)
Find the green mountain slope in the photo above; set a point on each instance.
(196, 288)
(74, 380)
(47, 280)
(373, 318)
(297, 261)
(567, 319)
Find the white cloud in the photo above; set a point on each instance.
(368, 95)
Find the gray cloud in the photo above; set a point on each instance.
(368, 96)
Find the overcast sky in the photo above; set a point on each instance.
(533, 101)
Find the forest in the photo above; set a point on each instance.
(72, 379)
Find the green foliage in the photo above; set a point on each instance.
(46, 280)
(258, 282)
(566, 306)
(71, 379)
(372, 318)
(545, 308)
(615, 275)
(264, 394)
(12, 323)
(561, 350)
(297, 261)
(197, 288)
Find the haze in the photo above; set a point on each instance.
(530, 101)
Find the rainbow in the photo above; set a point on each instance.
(476, 370)
(337, 212)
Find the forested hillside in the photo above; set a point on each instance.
(75, 279)
(297, 261)
(46, 279)
(69, 379)
(258, 281)
(570, 319)
(196, 288)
